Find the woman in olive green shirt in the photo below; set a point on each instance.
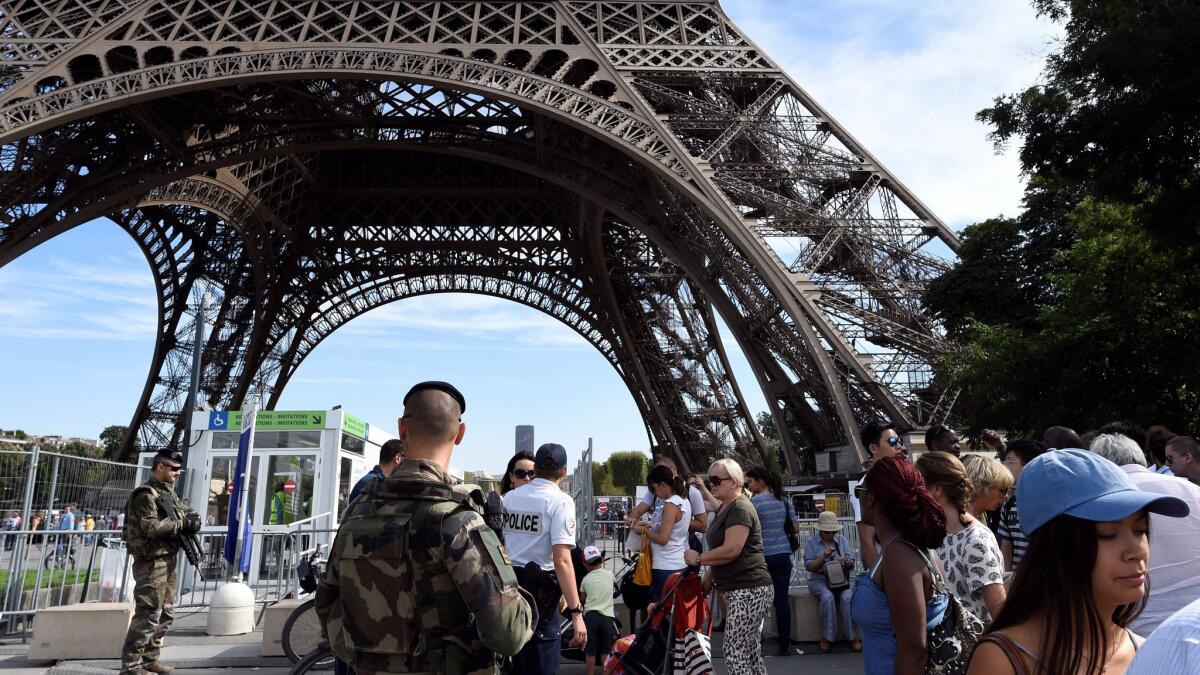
(737, 568)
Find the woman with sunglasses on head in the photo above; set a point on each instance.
(895, 601)
(1083, 578)
(737, 568)
(668, 536)
(518, 473)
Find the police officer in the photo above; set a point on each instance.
(416, 581)
(539, 530)
(152, 536)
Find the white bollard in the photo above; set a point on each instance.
(231, 611)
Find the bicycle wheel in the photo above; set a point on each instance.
(318, 659)
(302, 632)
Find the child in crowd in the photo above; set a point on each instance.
(598, 615)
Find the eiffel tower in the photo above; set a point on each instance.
(639, 170)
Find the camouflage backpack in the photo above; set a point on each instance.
(399, 607)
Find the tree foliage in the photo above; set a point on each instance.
(627, 470)
(112, 437)
(1083, 308)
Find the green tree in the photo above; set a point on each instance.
(1081, 309)
(113, 437)
(627, 470)
(601, 485)
(1115, 112)
(81, 449)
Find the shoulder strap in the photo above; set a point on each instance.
(939, 582)
(1012, 651)
(882, 550)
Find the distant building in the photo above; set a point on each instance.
(524, 438)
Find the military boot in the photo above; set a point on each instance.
(157, 667)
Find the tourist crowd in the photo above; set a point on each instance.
(1072, 553)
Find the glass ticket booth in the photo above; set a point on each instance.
(301, 469)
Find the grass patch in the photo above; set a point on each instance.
(52, 579)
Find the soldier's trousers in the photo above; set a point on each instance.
(154, 604)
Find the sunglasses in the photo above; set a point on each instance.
(893, 441)
(522, 474)
(714, 481)
(859, 491)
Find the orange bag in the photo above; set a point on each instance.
(643, 574)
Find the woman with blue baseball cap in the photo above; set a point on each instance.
(1083, 578)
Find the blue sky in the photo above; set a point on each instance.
(77, 314)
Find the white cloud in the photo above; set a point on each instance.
(907, 79)
(61, 299)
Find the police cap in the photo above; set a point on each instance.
(550, 456)
(439, 386)
(172, 458)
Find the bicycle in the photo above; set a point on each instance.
(320, 658)
(61, 558)
(302, 632)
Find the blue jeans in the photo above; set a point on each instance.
(658, 579)
(780, 568)
(541, 655)
(832, 602)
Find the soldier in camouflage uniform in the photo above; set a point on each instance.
(153, 541)
(416, 581)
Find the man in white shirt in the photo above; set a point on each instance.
(1173, 648)
(1174, 574)
(1183, 456)
(539, 532)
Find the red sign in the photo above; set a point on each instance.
(289, 486)
(230, 487)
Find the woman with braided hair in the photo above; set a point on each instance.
(895, 602)
(970, 555)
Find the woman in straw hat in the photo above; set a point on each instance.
(825, 546)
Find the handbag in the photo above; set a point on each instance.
(951, 642)
(792, 537)
(643, 573)
(693, 654)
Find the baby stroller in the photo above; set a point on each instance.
(684, 607)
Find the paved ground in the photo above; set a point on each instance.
(196, 653)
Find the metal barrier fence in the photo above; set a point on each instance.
(38, 484)
(41, 569)
(274, 555)
(611, 535)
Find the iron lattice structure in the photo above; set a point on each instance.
(635, 169)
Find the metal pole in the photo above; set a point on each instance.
(53, 489)
(194, 391)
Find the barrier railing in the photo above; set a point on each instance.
(611, 535)
(51, 568)
(273, 559)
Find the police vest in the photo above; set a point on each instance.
(398, 607)
(136, 541)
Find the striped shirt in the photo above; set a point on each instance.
(771, 513)
(1010, 530)
(1173, 647)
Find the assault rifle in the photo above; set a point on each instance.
(189, 526)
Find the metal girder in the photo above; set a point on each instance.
(636, 169)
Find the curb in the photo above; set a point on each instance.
(109, 666)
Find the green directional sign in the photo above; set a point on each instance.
(273, 420)
(354, 426)
(289, 419)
